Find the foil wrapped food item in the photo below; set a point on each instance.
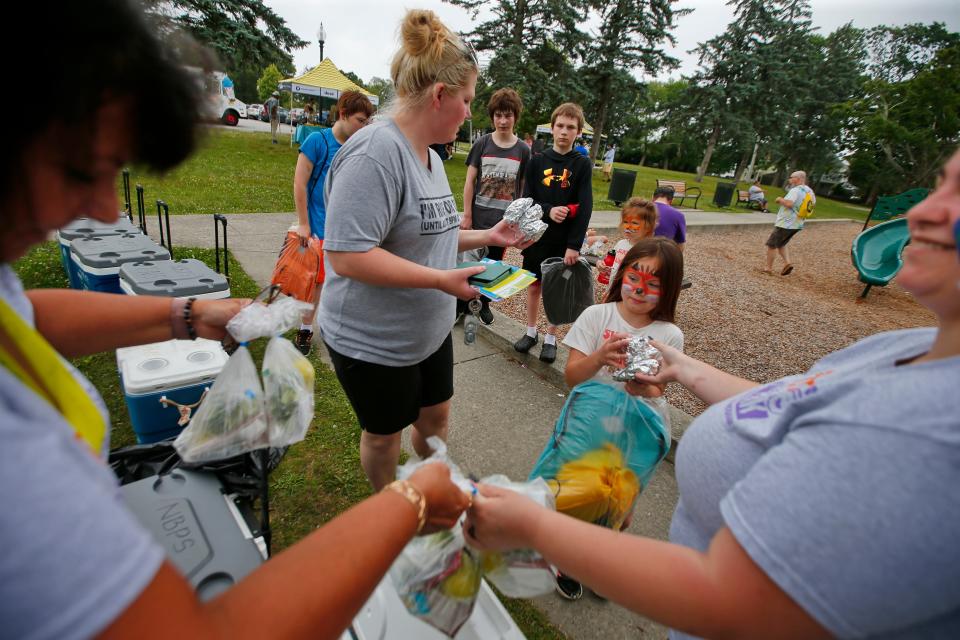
(595, 249)
(531, 225)
(642, 358)
(515, 210)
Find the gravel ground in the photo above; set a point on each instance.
(764, 327)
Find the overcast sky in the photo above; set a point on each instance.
(361, 34)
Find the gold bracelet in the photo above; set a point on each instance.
(414, 496)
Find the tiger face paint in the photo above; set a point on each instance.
(640, 284)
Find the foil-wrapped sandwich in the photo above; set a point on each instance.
(527, 217)
(642, 358)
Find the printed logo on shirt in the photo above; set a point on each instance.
(498, 181)
(563, 178)
(438, 215)
(771, 400)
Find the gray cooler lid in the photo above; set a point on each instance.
(187, 513)
(187, 277)
(87, 227)
(105, 252)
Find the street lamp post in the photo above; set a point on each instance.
(322, 37)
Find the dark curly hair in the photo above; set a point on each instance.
(90, 53)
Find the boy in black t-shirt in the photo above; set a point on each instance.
(560, 181)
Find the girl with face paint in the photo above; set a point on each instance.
(638, 219)
(641, 300)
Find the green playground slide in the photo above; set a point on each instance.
(876, 252)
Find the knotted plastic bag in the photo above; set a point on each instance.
(231, 419)
(439, 576)
(234, 417)
(567, 290)
(605, 447)
(288, 384)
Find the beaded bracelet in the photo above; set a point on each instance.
(181, 319)
(188, 318)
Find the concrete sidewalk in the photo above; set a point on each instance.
(502, 416)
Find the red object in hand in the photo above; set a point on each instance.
(604, 276)
(572, 208)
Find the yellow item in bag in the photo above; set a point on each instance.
(596, 487)
(60, 388)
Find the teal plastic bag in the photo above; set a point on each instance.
(605, 447)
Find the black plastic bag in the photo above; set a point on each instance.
(567, 290)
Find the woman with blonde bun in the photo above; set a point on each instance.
(391, 240)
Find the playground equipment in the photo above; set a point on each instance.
(876, 251)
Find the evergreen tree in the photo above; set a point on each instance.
(629, 37)
(243, 33)
(533, 44)
(753, 75)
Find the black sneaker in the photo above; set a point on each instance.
(548, 353)
(568, 587)
(486, 316)
(523, 344)
(303, 339)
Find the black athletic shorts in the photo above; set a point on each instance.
(537, 253)
(387, 399)
(780, 237)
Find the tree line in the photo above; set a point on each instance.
(876, 110)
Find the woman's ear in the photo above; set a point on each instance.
(438, 90)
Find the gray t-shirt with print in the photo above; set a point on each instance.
(841, 484)
(73, 557)
(499, 176)
(379, 194)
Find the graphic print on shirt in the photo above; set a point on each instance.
(438, 215)
(563, 179)
(498, 181)
(772, 399)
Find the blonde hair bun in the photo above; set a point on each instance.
(422, 34)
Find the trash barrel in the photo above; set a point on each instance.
(724, 193)
(621, 186)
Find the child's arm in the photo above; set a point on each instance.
(584, 200)
(582, 367)
(468, 192)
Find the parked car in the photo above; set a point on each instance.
(297, 116)
(282, 112)
(253, 110)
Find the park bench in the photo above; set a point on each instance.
(743, 197)
(681, 191)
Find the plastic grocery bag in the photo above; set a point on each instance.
(520, 573)
(299, 269)
(288, 384)
(567, 290)
(438, 576)
(231, 420)
(605, 447)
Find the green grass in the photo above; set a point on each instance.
(238, 172)
(318, 479)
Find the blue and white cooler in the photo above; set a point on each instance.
(174, 370)
(98, 259)
(87, 228)
(176, 279)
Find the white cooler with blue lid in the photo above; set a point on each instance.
(178, 370)
(98, 258)
(187, 278)
(87, 228)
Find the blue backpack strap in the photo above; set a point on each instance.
(318, 167)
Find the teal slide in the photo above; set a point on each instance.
(876, 252)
